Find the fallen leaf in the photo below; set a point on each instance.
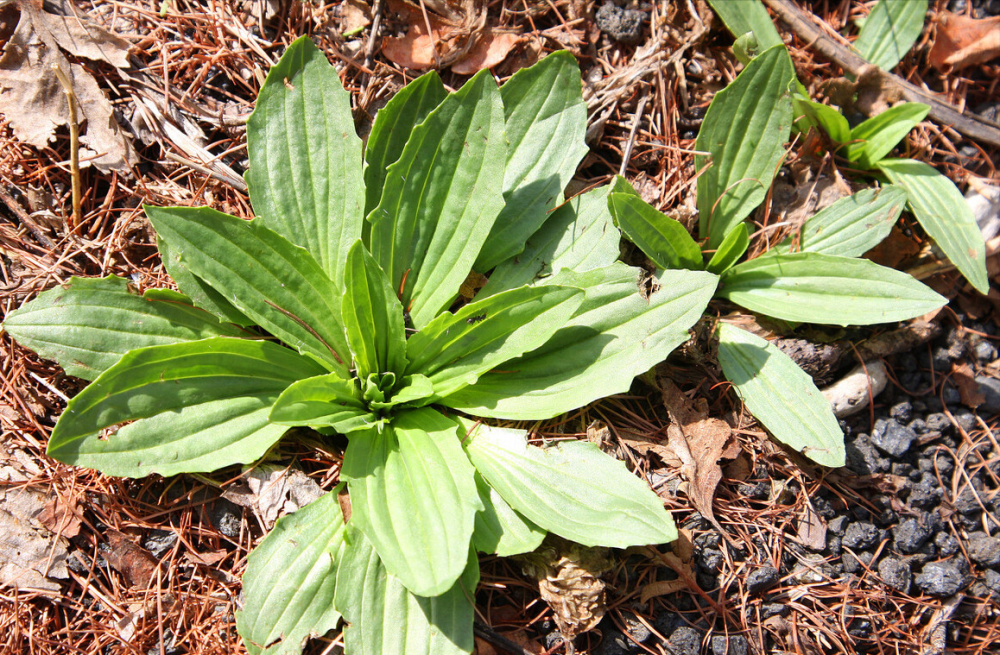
(599, 435)
(894, 249)
(490, 50)
(62, 517)
(207, 559)
(644, 445)
(812, 528)
(963, 41)
(32, 98)
(661, 588)
(31, 557)
(698, 442)
(354, 17)
(685, 578)
(273, 491)
(968, 389)
(134, 562)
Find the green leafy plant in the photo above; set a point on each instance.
(340, 308)
(888, 33)
(814, 276)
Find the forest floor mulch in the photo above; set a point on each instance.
(895, 553)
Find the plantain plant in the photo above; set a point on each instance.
(344, 307)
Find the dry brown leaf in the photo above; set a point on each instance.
(962, 41)
(644, 445)
(812, 528)
(490, 50)
(209, 558)
(968, 389)
(355, 15)
(273, 491)
(134, 562)
(62, 517)
(661, 588)
(32, 98)
(699, 442)
(31, 557)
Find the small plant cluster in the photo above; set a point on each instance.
(347, 307)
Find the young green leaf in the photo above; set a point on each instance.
(500, 529)
(392, 128)
(849, 227)
(289, 583)
(580, 235)
(386, 618)
(824, 116)
(414, 496)
(546, 122)
(196, 406)
(661, 238)
(441, 198)
(200, 291)
(615, 335)
(323, 401)
(827, 289)
(87, 325)
(553, 487)
(373, 316)
(876, 137)
(277, 284)
(945, 216)
(781, 396)
(731, 249)
(744, 131)
(455, 349)
(748, 16)
(305, 174)
(890, 31)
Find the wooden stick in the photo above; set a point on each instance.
(74, 145)
(970, 125)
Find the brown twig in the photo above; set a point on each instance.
(970, 125)
(74, 145)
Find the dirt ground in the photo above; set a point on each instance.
(153, 565)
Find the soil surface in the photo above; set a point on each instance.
(898, 552)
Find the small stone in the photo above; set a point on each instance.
(990, 388)
(159, 542)
(895, 573)
(965, 419)
(685, 640)
(774, 609)
(940, 579)
(902, 469)
(226, 517)
(950, 395)
(863, 458)
(614, 643)
(857, 562)
(985, 352)
(902, 412)
(622, 25)
(755, 490)
(837, 525)
(909, 536)
(984, 549)
(946, 544)
(834, 545)
(892, 438)
(735, 645)
(992, 581)
(860, 535)
(762, 579)
(710, 560)
(967, 502)
(926, 494)
(938, 422)
(635, 628)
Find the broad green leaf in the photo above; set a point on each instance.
(828, 289)
(554, 487)
(200, 291)
(323, 401)
(944, 214)
(290, 580)
(876, 137)
(890, 30)
(731, 249)
(744, 131)
(615, 335)
(579, 235)
(849, 227)
(546, 122)
(742, 16)
(664, 240)
(387, 619)
(501, 530)
(373, 316)
(411, 389)
(413, 495)
(392, 128)
(87, 324)
(781, 396)
(196, 406)
(455, 349)
(277, 284)
(441, 198)
(305, 173)
(824, 116)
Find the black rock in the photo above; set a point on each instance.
(860, 628)
(940, 579)
(735, 645)
(990, 388)
(965, 419)
(622, 25)
(909, 536)
(984, 549)
(159, 542)
(834, 545)
(992, 581)
(985, 352)
(710, 560)
(857, 562)
(774, 609)
(946, 544)
(685, 640)
(950, 394)
(895, 573)
(614, 643)
(927, 493)
(860, 535)
(762, 579)
(938, 422)
(635, 628)
(892, 438)
(837, 525)
(902, 412)
(902, 469)
(226, 517)
(967, 502)
(863, 458)
(755, 490)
